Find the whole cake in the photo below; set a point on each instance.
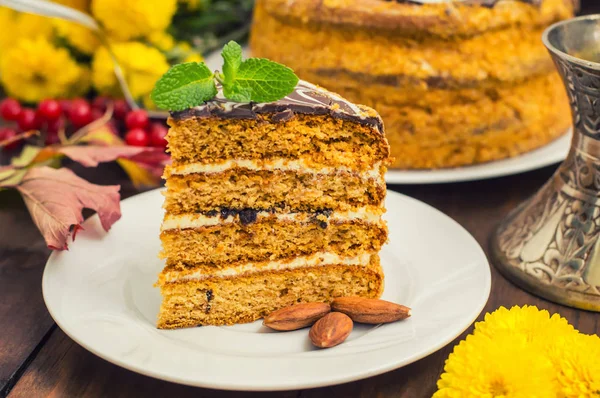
(456, 82)
(271, 204)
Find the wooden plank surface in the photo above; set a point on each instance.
(63, 369)
(38, 360)
(24, 320)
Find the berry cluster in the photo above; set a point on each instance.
(52, 116)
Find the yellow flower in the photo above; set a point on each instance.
(576, 361)
(183, 52)
(161, 40)
(183, 46)
(193, 57)
(532, 324)
(505, 366)
(124, 20)
(21, 25)
(141, 64)
(80, 37)
(33, 69)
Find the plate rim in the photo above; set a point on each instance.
(484, 171)
(374, 371)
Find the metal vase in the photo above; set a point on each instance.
(550, 244)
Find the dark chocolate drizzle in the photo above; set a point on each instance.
(306, 99)
(484, 3)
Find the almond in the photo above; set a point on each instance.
(331, 330)
(373, 311)
(296, 316)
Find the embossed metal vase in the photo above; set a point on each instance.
(550, 245)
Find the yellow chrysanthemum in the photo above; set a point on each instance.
(21, 25)
(193, 57)
(576, 362)
(531, 323)
(161, 40)
(7, 23)
(80, 37)
(183, 52)
(183, 46)
(505, 366)
(33, 69)
(141, 64)
(125, 20)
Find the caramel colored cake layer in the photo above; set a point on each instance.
(246, 298)
(267, 205)
(272, 237)
(323, 140)
(456, 83)
(295, 191)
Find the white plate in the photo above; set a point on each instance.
(552, 153)
(100, 293)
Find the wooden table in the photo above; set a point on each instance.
(38, 359)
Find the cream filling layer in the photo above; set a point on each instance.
(297, 165)
(369, 214)
(314, 260)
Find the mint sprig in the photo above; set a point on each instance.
(184, 86)
(255, 79)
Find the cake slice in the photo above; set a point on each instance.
(271, 204)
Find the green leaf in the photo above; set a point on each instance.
(267, 80)
(184, 86)
(237, 93)
(232, 59)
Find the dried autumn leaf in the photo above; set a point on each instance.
(140, 175)
(101, 136)
(26, 157)
(56, 199)
(11, 176)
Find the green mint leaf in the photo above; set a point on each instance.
(184, 86)
(232, 59)
(237, 93)
(265, 80)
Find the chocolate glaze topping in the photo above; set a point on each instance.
(306, 99)
(485, 3)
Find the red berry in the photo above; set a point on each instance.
(96, 114)
(52, 138)
(137, 137)
(4, 131)
(6, 134)
(10, 109)
(65, 106)
(99, 103)
(136, 119)
(120, 109)
(54, 126)
(49, 109)
(80, 113)
(158, 131)
(28, 120)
